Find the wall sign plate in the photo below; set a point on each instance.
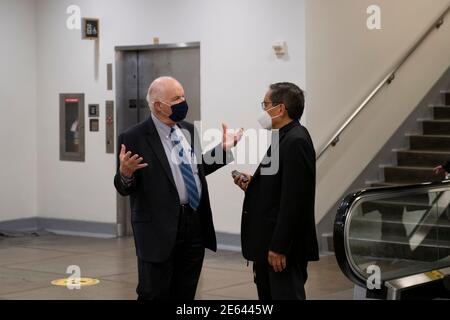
(91, 29)
(94, 110)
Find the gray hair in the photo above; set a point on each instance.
(150, 102)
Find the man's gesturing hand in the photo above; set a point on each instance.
(230, 138)
(129, 163)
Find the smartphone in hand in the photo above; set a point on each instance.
(236, 173)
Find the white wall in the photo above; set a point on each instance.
(17, 110)
(237, 65)
(344, 63)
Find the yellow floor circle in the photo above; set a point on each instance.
(83, 282)
(435, 275)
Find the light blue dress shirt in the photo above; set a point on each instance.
(164, 134)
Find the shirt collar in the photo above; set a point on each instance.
(289, 126)
(161, 126)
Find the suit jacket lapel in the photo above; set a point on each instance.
(155, 143)
(265, 161)
(267, 158)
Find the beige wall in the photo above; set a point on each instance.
(237, 66)
(345, 61)
(17, 109)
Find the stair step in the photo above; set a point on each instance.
(441, 112)
(436, 127)
(422, 158)
(430, 142)
(411, 174)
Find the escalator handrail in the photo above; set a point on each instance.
(344, 215)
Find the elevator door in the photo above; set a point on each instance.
(136, 68)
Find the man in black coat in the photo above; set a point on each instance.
(162, 169)
(278, 227)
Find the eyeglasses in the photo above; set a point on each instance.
(264, 104)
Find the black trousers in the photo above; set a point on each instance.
(286, 285)
(177, 277)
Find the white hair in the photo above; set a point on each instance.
(150, 102)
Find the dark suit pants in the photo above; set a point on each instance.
(286, 285)
(177, 277)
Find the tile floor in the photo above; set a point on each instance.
(28, 265)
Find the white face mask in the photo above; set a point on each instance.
(265, 120)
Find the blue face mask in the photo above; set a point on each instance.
(179, 111)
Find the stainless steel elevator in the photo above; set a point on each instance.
(135, 69)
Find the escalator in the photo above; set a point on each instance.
(395, 242)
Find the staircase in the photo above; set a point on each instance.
(385, 235)
(426, 151)
(415, 165)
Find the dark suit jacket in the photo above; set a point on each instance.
(154, 200)
(278, 210)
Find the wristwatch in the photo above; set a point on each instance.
(126, 181)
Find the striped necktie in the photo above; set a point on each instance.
(186, 170)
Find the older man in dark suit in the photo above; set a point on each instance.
(162, 169)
